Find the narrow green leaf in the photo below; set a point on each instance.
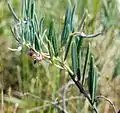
(90, 76)
(74, 58)
(72, 19)
(51, 32)
(85, 64)
(32, 30)
(68, 47)
(72, 30)
(36, 22)
(32, 9)
(79, 65)
(22, 32)
(92, 79)
(66, 34)
(37, 43)
(79, 41)
(50, 48)
(28, 35)
(94, 86)
(23, 8)
(41, 25)
(66, 29)
(55, 44)
(28, 8)
(53, 38)
(13, 13)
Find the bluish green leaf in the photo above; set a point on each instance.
(68, 47)
(55, 44)
(51, 31)
(37, 43)
(85, 64)
(41, 26)
(74, 58)
(92, 79)
(32, 9)
(66, 29)
(50, 48)
(72, 19)
(72, 30)
(53, 38)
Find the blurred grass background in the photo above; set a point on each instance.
(18, 74)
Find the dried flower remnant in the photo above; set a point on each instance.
(35, 56)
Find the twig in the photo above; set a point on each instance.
(55, 104)
(81, 34)
(109, 101)
(64, 93)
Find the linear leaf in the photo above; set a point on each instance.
(32, 9)
(72, 19)
(68, 47)
(55, 44)
(72, 29)
(79, 65)
(37, 43)
(94, 86)
(74, 58)
(28, 8)
(41, 25)
(92, 79)
(85, 64)
(66, 29)
(51, 31)
(50, 48)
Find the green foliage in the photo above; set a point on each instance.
(41, 36)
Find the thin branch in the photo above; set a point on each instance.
(65, 91)
(93, 35)
(81, 34)
(80, 87)
(109, 101)
(55, 104)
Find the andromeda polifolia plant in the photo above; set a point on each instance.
(45, 43)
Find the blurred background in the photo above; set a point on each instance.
(25, 86)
